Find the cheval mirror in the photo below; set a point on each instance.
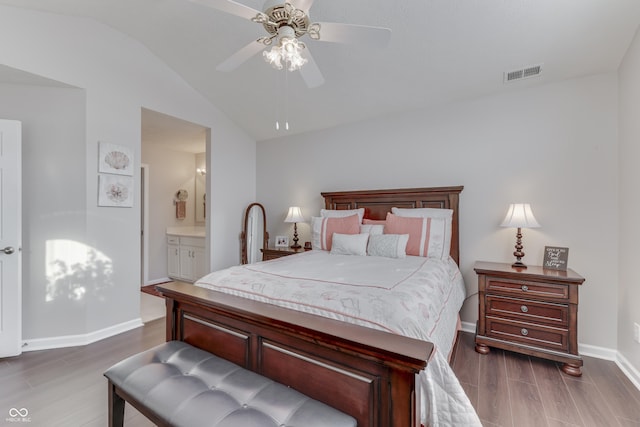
(255, 236)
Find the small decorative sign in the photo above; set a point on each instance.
(555, 258)
(282, 241)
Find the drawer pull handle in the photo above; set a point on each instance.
(524, 332)
(525, 288)
(524, 308)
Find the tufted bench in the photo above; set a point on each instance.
(176, 384)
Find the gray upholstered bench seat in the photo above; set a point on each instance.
(176, 384)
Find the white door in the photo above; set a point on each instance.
(10, 238)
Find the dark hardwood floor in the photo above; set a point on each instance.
(508, 389)
(65, 387)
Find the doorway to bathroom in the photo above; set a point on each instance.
(173, 188)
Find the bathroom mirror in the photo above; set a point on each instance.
(254, 235)
(201, 195)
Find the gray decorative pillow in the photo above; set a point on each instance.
(388, 245)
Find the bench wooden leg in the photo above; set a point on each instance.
(116, 407)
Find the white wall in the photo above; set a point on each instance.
(554, 146)
(53, 176)
(629, 290)
(119, 77)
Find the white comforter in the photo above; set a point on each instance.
(413, 296)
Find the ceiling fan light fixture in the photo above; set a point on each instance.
(287, 52)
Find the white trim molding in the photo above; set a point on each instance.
(79, 340)
(631, 372)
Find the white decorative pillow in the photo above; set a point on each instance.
(349, 244)
(372, 228)
(339, 213)
(388, 245)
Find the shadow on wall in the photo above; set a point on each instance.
(73, 268)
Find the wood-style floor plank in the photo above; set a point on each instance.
(527, 409)
(558, 404)
(517, 390)
(493, 396)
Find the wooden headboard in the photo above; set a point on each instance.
(377, 203)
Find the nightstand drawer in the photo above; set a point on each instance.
(528, 289)
(528, 311)
(527, 333)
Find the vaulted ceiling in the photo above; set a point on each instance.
(440, 51)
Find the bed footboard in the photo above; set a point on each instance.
(368, 374)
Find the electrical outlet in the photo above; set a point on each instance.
(636, 332)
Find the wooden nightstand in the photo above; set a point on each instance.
(531, 310)
(273, 253)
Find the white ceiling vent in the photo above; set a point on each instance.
(523, 73)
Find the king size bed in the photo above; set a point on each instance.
(367, 334)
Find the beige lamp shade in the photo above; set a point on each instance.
(294, 215)
(520, 215)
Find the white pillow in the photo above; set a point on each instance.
(349, 244)
(423, 212)
(339, 213)
(372, 228)
(316, 226)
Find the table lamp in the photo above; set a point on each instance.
(519, 216)
(295, 216)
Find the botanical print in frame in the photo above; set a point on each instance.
(115, 159)
(115, 190)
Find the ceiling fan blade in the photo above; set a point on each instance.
(230, 6)
(303, 5)
(354, 34)
(310, 72)
(235, 60)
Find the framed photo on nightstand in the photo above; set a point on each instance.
(282, 241)
(555, 258)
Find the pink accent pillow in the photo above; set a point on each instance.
(344, 225)
(428, 237)
(373, 221)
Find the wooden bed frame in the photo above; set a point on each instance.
(366, 373)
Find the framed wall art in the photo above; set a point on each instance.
(115, 159)
(115, 190)
(282, 241)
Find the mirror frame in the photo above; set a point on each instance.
(243, 235)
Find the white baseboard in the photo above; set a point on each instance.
(632, 373)
(469, 327)
(592, 351)
(79, 340)
(597, 352)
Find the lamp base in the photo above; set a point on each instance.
(518, 264)
(295, 237)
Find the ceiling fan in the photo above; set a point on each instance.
(286, 22)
